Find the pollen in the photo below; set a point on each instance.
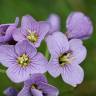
(23, 60)
(32, 36)
(34, 86)
(64, 59)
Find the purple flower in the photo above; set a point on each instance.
(6, 31)
(65, 58)
(37, 85)
(78, 26)
(54, 21)
(31, 30)
(10, 92)
(22, 60)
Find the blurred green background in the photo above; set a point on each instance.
(41, 9)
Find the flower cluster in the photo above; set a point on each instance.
(25, 64)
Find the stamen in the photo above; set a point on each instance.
(32, 36)
(34, 86)
(64, 59)
(23, 60)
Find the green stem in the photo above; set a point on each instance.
(2, 71)
(47, 54)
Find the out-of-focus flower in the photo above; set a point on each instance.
(22, 60)
(31, 30)
(37, 85)
(54, 21)
(65, 58)
(10, 92)
(78, 26)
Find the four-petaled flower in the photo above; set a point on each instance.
(38, 85)
(31, 30)
(65, 58)
(22, 60)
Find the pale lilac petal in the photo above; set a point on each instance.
(24, 47)
(42, 30)
(54, 20)
(28, 23)
(36, 92)
(72, 74)
(57, 43)
(7, 55)
(7, 30)
(48, 89)
(10, 29)
(35, 78)
(54, 67)
(79, 26)
(27, 20)
(18, 74)
(39, 63)
(79, 52)
(18, 36)
(25, 92)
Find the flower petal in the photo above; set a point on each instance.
(49, 90)
(72, 74)
(36, 92)
(17, 35)
(57, 43)
(53, 67)
(42, 30)
(25, 92)
(28, 22)
(25, 47)
(18, 74)
(34, 79)
(79, 26)
(39, 63)
(54, 20)
(78, 51)
(7, 55)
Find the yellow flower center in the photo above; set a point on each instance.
(32, 36)
(34, 86)
(64, 59)
(23, 60)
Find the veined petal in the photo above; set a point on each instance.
(72, 74)
(17, 35)
(48, 89)
(7, 55)
(18, 74)
(42, 30)
(24, 47)
(28, 22)
(34, 79)
(39, 63)
(79, 52)
(57, 43)
(53, 67)
(25, 92)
